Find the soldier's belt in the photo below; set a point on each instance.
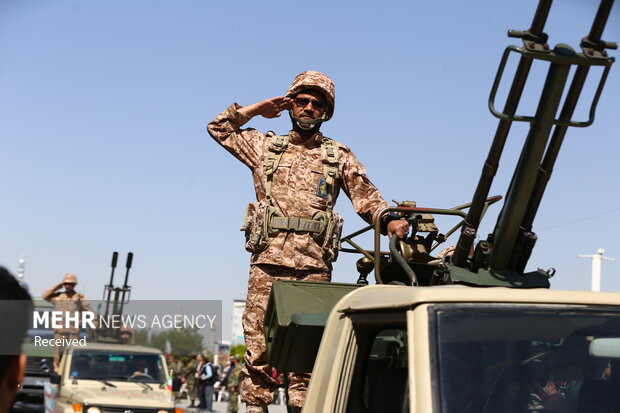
(295, 224)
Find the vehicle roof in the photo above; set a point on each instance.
(121, 348)
(377, 297)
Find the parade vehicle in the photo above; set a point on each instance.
(101, 377)
(470, 331)
(103, 373)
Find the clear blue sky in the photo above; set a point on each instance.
(103, 107)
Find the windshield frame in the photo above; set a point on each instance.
(157, 359)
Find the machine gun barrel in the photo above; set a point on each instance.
(520, 256)
(472, 222)
(600, 21)
(125, 287)
(521, 187)
(110, 286)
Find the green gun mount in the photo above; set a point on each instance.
(295, 318)
(505, 253)
(297, 311)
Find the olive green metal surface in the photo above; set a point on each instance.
(506, 278)
(295, 318)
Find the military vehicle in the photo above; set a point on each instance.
(102, 377)
(107, 374)
(470, 331)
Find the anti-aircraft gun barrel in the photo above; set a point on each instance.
(110, 285)
(600, 21)
(509, 246)
(514, 208)
(526, 238)
(125, 286)
(116, 298)
(534, 38)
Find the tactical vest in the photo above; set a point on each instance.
(263, 220)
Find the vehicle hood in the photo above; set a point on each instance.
(124, 394)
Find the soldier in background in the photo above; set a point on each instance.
(190, 376)
(233, 385)
(177, 370)
(292, 230)
(177, 366)
(67, 300)
(125, 335)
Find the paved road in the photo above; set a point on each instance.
(221, 407)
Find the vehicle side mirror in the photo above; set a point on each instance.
(55, 378)
(176, 384)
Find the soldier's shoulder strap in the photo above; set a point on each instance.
(80, 300)
(330, 157)
(277, 146)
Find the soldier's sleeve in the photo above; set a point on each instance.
(85, 306)
(48, 295)
(244, 144)
(365, 197)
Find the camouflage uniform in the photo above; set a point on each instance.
(294, 186)
(63, 302)
(190, 375)
(177, 371)
(233, 388)
(288, 255)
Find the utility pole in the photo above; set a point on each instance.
(597, 260)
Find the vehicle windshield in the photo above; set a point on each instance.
(107, 365)
(524, 358)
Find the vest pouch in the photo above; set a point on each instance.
(329, 236)
(254, 227)
(271, 212)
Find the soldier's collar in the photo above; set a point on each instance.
(314, 140)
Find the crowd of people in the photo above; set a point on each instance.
(203, 381)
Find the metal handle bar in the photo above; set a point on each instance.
(576, 59)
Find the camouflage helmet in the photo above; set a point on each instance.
(317, 81)
(69, 278)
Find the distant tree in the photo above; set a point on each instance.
(183, 341)
(238, 350)
(141, 337)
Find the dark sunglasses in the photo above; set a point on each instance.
(73, 284)
(317, 104)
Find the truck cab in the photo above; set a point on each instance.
(99, 377)
(467, 349)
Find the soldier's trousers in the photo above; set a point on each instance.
(257, 385)
(233, 402)
(67, 335)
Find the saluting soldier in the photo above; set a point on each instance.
(67, 300)
(292, 229)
